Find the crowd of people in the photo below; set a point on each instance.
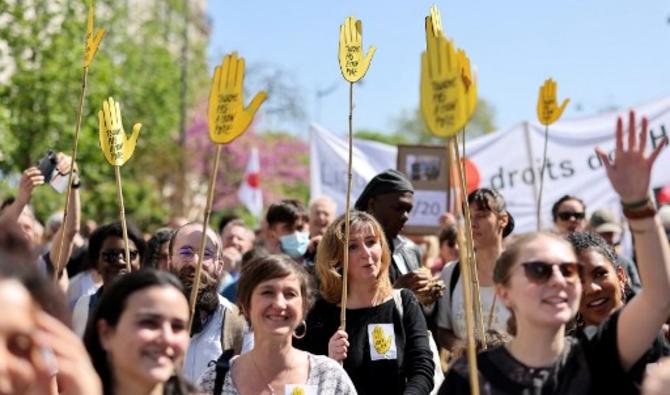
(565, 310)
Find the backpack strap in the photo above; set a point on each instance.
(397, 298)
(453, 280)
(222, 367)
(232, 329)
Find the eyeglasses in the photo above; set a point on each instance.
(567, 215)
(540, 272)
(113, 256)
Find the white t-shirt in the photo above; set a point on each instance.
(451, 314)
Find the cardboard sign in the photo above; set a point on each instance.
(548, 111)
(116, 146)
(228, 118)
(353, 64)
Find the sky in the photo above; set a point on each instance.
(602, 53)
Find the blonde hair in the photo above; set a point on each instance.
(330, 255)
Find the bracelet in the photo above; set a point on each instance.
(646, 212)
(76, 185)
(636, 204)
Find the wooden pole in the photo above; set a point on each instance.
(345, 255)
(122, 214)
(77, 126)
(544, 164)
(203, 240)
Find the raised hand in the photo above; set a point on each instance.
(92, 43)
(630, 171)
(443, 96)
(350, 52)
(227, 116)
(115, 145)
(548, 111)
(31, 178)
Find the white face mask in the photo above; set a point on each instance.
(294, 244)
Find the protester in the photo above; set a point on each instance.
(604, 223)
(39, 354)
(139, 333)
(321, 215)
(230, 291)
(158, 253)
(538, 278)
(605, 289)
(491, 223)
(19, 212)
(217, 324)
(569, 214)
(389, 198)
(274, 296)
(448, 248)
(385, 347)
(107, 249)
(287, 232)
(237, 239)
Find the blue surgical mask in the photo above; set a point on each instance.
(294, 244)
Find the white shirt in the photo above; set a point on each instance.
(82, 284)
(205, 346)
(451, 314)
(80, 314)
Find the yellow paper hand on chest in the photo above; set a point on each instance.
(228, 118)
(381, 342)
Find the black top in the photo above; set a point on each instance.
(584, 367)
(410, 372)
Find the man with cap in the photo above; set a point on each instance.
(604, 223)
(389, 197)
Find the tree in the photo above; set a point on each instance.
(413, 126)
(135, 64)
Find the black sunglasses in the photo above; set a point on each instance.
(565, 216)
(540, 272)
(113, 256)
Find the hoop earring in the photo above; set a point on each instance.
(304, 331)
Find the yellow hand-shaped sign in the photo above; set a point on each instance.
(113, 141)
(443, 97)
(436, 20)
(298, 391)
(548, 111)
(92, 43)
(226, 113)
(350, 52)
(381, 342)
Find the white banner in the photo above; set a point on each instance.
(508, 161)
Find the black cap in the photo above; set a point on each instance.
(388, 181)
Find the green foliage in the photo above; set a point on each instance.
(138, 63)
(413, 126)
(393, 139)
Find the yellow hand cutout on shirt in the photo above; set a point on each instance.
(381, 343)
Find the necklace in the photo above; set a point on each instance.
(267, 382)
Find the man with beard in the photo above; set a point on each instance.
(217, 324)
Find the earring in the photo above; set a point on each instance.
(304, 331)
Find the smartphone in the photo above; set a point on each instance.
(47, 165)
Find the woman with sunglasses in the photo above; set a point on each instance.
(138, 335)
(606, 289)
(538, 279)
(569, 214)
(106, 250)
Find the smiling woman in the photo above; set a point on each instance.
(137, 335)
(274, 295)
